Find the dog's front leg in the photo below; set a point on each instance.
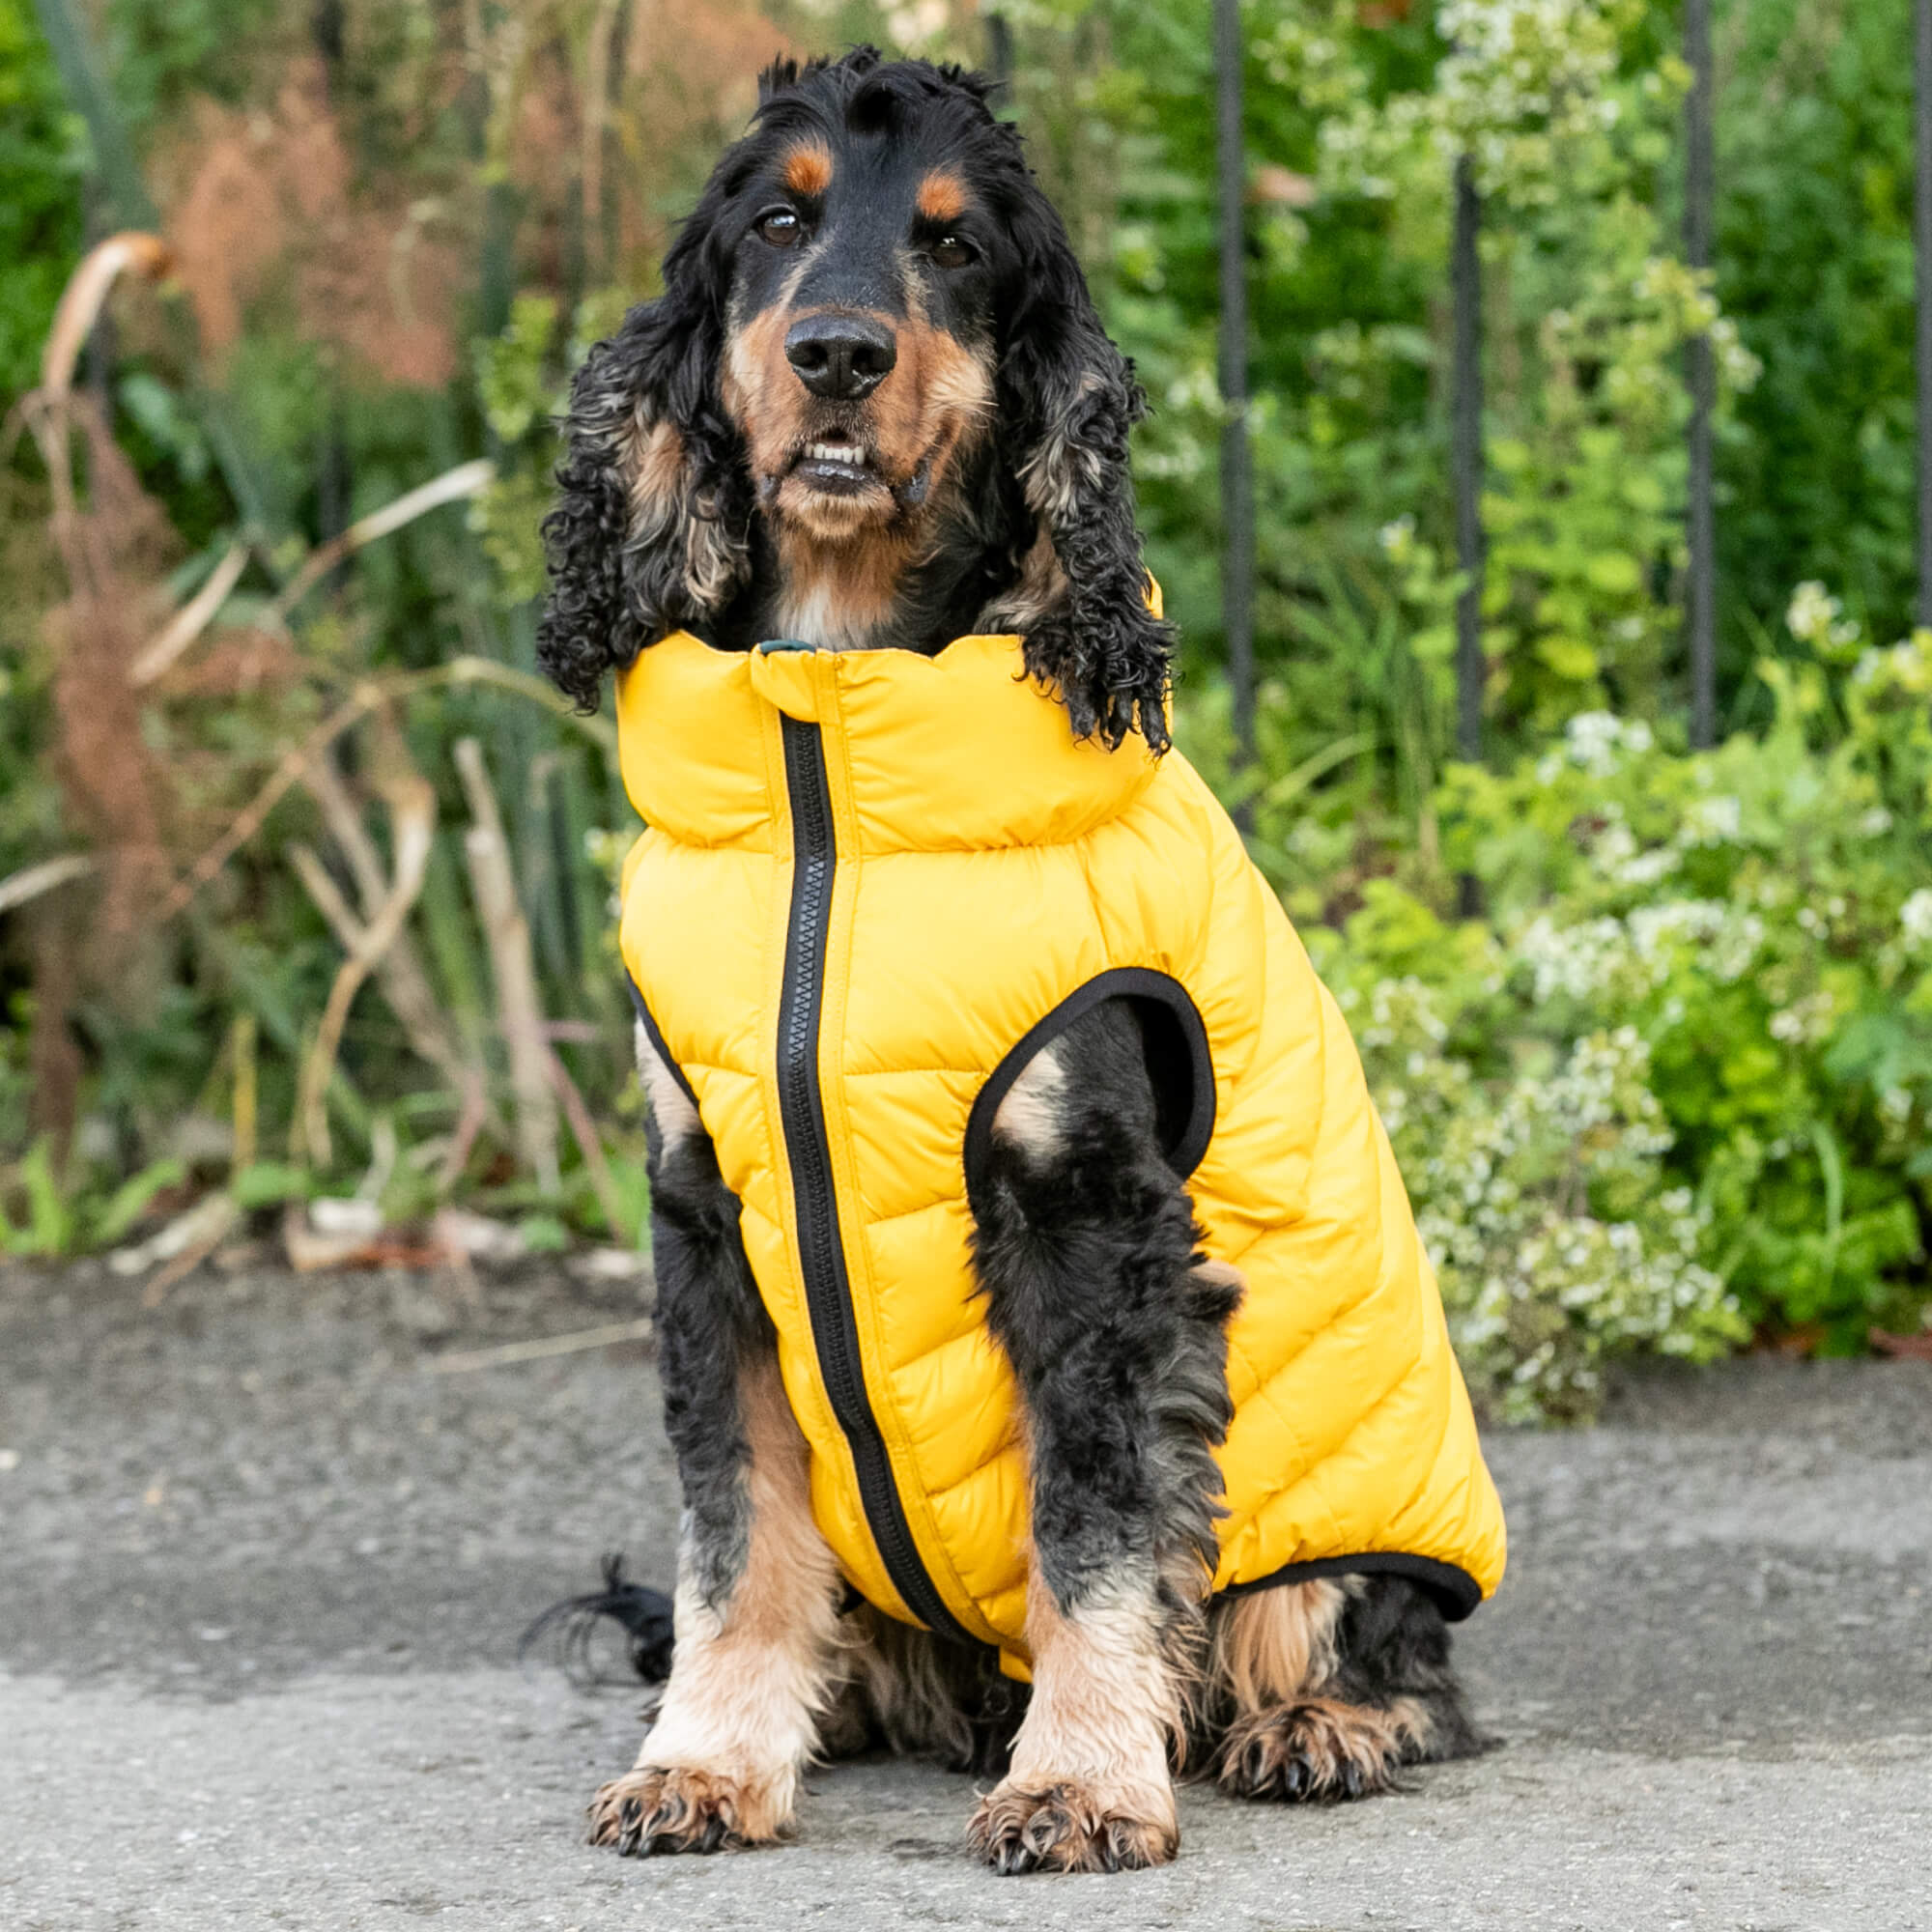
(757, 1588)
(1086, 1246)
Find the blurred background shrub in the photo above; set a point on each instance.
(1667, 1089)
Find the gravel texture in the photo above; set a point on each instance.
(261, 1574)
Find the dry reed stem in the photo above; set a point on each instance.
(469, 1124)
(519, 1009)
(466, 479)
(411, 806)
(190, 620)
(47, 411)
(86, 292)
(405, 983)
(371, 694)
(221, 1214)
(402, 987)
(584, 1130)
(540, 1347)
(245, 1111)
(595, 113)
(33, 880)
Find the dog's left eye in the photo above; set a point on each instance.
(781, 228)
(952, 251)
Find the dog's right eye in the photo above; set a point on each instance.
(781, 228)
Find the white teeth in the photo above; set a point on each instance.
(834, 453)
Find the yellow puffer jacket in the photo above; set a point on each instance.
(872, 887)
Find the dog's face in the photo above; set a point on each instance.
(860, 343)
(874, 400)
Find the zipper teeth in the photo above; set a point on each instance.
(828, 1293)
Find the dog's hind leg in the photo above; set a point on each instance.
(1326, 1688)
(757, 1589)
(1086, 1247)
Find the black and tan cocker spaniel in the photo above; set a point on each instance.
(875, 410)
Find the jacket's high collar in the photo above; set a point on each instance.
(961, 750)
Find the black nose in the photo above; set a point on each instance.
(840, 356)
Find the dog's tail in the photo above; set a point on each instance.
(570, 1628)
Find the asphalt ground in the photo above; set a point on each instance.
(262, 1574)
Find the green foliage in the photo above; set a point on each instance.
(48, 1224)
(520, 386)
(1814, 261)
(1678, 1083)
(1570, 112)
(42, 158)
(133, 1199)
(1674, 1085)
(270, 1183)
(165, 53)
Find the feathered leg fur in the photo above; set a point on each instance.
(1324, 1689)
(1087, 1249)
(757, 1589)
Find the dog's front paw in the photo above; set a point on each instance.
(651, 1811)
(1071, 1826)
(1320, 1749)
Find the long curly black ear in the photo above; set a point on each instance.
(1068, 399)
(650, 530)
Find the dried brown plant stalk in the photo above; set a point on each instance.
(412, 804)
(405, 983)
(519, 1007)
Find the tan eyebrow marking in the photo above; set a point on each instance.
(808, 168)
(942, 196)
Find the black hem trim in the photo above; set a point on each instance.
(1187, 1139)
(1455, 1590)
(657, 1040)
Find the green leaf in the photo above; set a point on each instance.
(544, 1234)
(49, 1228)
(1568, 657)
(268, 1183)
(1614, 571)
(130, 1201)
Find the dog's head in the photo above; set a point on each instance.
(875, 342)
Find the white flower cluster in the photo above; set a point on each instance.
(1630, 956)
(1556, 1242)
(1807, 1020)
(1616, 856)
(1524, 82)
(1906, 666)
(1712, 822)
(1818, 619)
(1915, 920)
(1594, 742)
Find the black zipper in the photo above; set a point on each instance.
(828, 1289)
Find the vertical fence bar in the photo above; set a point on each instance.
(1000, 51)
(1699, 196)
(1465, 459)
(1921, 235)
(1237, 492)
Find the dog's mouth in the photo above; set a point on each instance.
(839, 465)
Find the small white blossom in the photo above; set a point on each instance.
(1807, 1020)
(1712, 822)
(1819, 620)
(1592, 740)
(1398, 539)
(1914, 918)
